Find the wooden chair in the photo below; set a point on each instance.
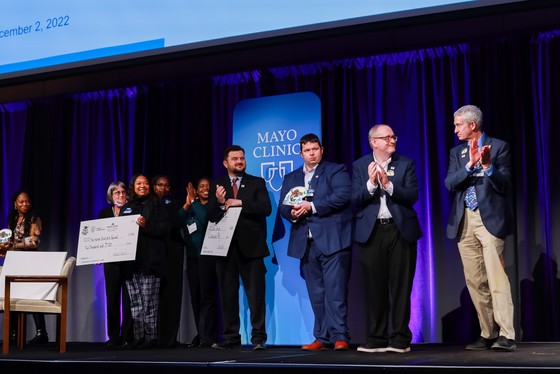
(24, 306)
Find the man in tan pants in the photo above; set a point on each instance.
(479, 174)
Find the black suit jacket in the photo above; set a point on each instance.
(401, 204)
(150, 250)
(250, 233)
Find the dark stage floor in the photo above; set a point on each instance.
(85, 358)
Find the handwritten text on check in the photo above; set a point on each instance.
(107, 240)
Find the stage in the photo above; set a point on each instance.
(86, 358)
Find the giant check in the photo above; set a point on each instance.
(107, 240)
(219, 234)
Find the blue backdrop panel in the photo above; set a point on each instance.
(269, 129)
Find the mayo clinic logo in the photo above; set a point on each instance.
(273, 173)
(281, 147)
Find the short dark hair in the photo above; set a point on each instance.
(232, 148)
(310, 138)
(154, 180)
(201, 179)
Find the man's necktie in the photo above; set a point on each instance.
(470, 198)
(234, 187)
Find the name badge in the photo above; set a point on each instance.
(191, 227)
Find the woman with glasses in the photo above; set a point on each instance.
(115, 289)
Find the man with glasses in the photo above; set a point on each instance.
(384, 190)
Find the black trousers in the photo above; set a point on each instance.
(252, 272)
(170, 297)
(203, 286)
(115, 292)
(388, 264)
(38, 318)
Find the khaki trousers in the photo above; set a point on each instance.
(487, 281)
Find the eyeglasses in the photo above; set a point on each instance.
(162, 185)
(119, 192)
(387, 138)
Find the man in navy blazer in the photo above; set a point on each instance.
(321, 237)
(245, 257)
(384, 190)
(479, 175)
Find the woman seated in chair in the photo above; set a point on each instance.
(25, 225)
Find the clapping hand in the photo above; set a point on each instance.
(373, 173)
(485, 156)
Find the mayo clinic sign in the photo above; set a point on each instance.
(269, 129)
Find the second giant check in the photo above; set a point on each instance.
(107, 240)
(219, 234)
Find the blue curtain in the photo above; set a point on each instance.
(66, 150)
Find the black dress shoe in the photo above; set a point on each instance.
(504, 344)
(226, 345)
(480, 344)
(194, 343)
(134, 344)
(114, 343)
(125, 345)
(259, 346)
(41, 337)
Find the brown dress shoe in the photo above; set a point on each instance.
(315, 346)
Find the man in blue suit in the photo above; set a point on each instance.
(479, 175)
(321, 237)
(384, 190)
